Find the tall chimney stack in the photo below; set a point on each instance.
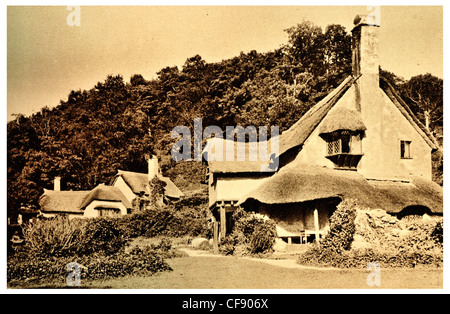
(365, 45)
(365, 64)
(57, 183)
(153, 167)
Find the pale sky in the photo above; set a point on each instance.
(47, 58)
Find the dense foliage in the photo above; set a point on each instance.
(145, 261)
(163, 222)
(101, 245)
(391, 242)
(63, 237)
(342, 228)
(250, 235)
(116, 124)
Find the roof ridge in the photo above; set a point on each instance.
(95, 192)
(325, 104)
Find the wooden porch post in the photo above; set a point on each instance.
(223, 222)
(316, 224)
(215, 235)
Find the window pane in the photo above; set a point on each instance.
(355, 146)
(329, 148)
(345, 140)
(336, 147)
(405, 149)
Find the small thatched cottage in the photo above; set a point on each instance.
(107, 200)
(101, 201)
(134, 184)
(361, 141)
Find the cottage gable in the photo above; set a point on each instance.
(360, 142)
(367, 127)
(133, 184)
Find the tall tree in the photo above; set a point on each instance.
(425, 94)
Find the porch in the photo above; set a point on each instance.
(297, 223)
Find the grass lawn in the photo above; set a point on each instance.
(223, 272)
(202, 270)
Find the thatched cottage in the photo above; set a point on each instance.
(106, 200)
(136, 184)
(101, 201)
(361, 141)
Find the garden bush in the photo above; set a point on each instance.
(55, 237)
(69, 237)
(263, 238)
(342, 228)
(94, 266)
(164, 222)
(101, 235)
(149, 223)
(250, 235)
(392, 243)
(360, 258)
(438, 232)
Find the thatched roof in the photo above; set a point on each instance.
(333, 119)
(170, 189)
(75, 202)
(62, 201)
(395, 196)
(105, 193)
(342, 119)
(139, 182)
(297, 134)
(298, 184)
(244, 157)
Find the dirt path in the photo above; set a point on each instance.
(281, 262)
(204, 270)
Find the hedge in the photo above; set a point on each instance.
(61, 237)
(92, 266)
(140, 261)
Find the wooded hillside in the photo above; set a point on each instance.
(117, 124)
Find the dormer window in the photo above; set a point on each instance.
(339, 143)
(344, 148)
(343, 130)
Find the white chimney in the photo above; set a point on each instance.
(57, 184)
(153, 168)
(365, 65)
(365, 46)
